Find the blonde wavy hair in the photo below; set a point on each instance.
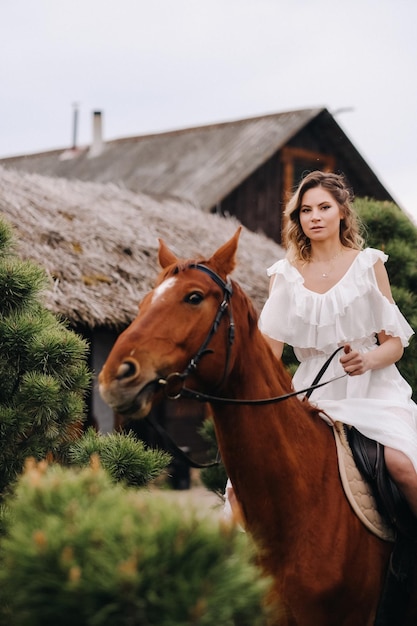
(297, 244)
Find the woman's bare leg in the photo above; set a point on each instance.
(403, 474)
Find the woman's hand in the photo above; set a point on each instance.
(389, 351)
(353, 362)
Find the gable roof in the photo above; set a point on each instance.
(98, 243)
(204, 164)
(201, 164)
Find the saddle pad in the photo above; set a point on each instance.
(357, 491)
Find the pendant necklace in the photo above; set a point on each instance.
(330, 261)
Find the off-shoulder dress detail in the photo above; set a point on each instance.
(353, 311)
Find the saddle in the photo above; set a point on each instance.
(391, 504)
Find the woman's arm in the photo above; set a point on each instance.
(390, 349)
(276, 346)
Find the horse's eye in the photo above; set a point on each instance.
(195, 297)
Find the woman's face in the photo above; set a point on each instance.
(320, 215)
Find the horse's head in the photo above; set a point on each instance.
(175, 321)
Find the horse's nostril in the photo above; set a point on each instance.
(126, 370)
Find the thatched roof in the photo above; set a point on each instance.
(98, 243)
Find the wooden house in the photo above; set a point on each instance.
(244, 168)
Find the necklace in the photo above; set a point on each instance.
(330, 262)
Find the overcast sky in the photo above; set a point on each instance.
(162, 64)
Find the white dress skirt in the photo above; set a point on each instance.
(378, 402)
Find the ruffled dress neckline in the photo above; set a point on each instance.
(322, 293)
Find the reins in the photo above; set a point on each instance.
(203, 397)
(176, 450)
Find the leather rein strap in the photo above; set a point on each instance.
(175, 449)
(322, 372)
(191, 394)
(185, 392)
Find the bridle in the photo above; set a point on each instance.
(174, 383)
(174, 387)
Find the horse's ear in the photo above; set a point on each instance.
(224, 258)
(165, 256)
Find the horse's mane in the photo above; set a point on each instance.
(253, 317)
(252, 313)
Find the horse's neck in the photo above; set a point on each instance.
(271, 452)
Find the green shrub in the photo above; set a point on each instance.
(43, 369)
(390, 230)
(82, 550)
(125, 458)
(214, 478)
(44, 378)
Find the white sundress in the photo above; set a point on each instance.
(378, 402)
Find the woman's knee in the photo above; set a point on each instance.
(400, 467)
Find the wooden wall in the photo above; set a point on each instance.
(258, 202)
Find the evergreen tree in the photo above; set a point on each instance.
(215, 477)
(43, 369)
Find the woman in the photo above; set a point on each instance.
(330, 292)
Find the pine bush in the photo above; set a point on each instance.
(125, 458)
(82, 550)
(43, 368)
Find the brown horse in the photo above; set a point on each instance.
(327, 567)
